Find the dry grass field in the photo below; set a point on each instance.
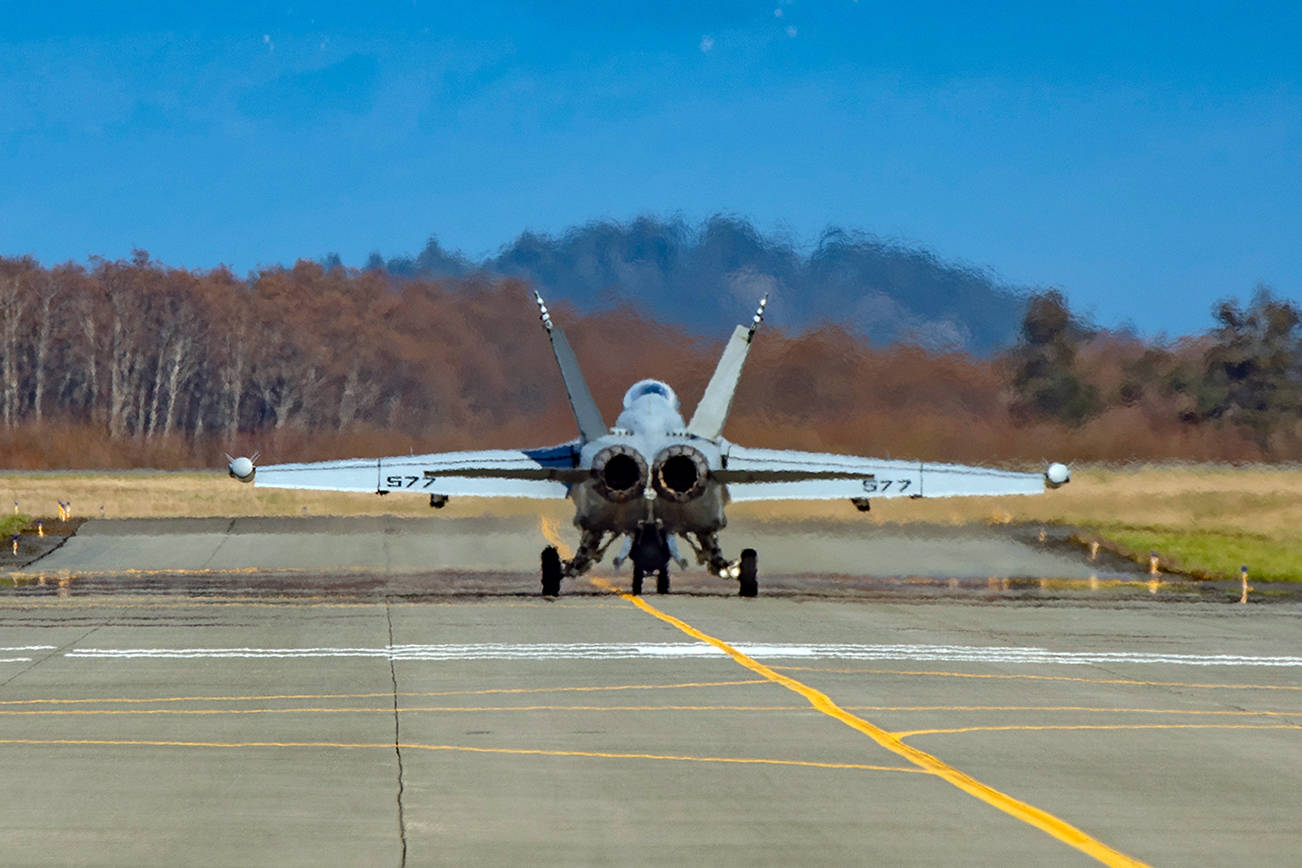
(1205, 519)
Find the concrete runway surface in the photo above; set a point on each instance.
(389, 545)
(295, 706)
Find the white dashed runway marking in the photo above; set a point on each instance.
(4, 649)
(697, 650)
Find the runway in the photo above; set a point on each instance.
(392, 546)
(302, 715)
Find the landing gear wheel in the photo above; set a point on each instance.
(662, 581)
(637, 581)
(748, 583)
(551, 571)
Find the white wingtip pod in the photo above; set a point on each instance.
(242, 468)
(1057, 474)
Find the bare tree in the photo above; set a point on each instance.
(15, 298)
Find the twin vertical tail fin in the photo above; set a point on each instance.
(586, 414)
(712, 412)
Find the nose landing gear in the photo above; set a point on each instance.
(662, 579)
(650, 553)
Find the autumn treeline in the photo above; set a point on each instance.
(133, 363)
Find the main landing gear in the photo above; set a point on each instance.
(651, 554)
(552, 571)
(748, 573)
(745, 570)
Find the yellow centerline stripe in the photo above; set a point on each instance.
(387, 709)
(1075, 708)
(1095, 726)
(1000, 675)
(413, 709)
(457, 748)
(384, 709)
(97, 600)
(114, 602)
(551, 531)
(387, 693)
(1040, 819)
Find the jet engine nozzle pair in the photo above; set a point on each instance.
(679, 473)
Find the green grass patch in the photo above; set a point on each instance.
(1210, 554)
(12, 525)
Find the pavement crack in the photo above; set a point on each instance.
(397, 739)
(226, 535)
(384, 546)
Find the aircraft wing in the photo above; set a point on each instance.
(758, 474)
(536, 473)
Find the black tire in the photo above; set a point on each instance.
(748, 581)
(662, 581)
(551, 571)
(637, 581)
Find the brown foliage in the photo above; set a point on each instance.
(132, 363)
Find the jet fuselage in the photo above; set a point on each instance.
(650, 470)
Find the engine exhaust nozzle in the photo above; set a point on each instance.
(680, 473)
(620, 473)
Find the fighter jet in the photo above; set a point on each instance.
(651, 479)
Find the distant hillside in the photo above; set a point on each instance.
(709, 277)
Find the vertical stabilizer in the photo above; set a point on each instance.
(712, 412)
(586, 414)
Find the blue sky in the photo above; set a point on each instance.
(1146, 159)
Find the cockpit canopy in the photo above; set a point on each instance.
(650, 387)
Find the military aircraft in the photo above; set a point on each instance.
(651, 479)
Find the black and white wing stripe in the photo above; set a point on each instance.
(535, 473)
(832, 477)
